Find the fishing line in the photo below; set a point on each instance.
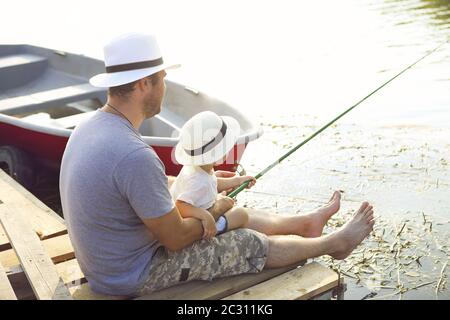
(287, 154)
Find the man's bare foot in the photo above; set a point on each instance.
(318, 219)
(353, 232)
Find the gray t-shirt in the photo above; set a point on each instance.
(111, 179)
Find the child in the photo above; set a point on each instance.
(205, 140)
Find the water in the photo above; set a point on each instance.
(402, 171)
(269, 57)
(292, 66)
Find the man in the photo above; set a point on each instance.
(128, 236)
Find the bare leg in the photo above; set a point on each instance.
(307, 225)
(237, 217)
(288, 249)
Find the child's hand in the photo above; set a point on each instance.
(209, 226)
(223, 202)
(243, 179)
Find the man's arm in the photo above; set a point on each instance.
(174, 232)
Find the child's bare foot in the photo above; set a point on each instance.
(353, 232)
(318, 219)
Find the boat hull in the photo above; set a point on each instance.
(45, 94)
(46, 149)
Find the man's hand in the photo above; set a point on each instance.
(209, 226)
(222, 205)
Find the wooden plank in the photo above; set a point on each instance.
(43, 220)
(219, 288)
(194, 290)
(40, 270)
(6, 291)
(70, 272)
(4, 242)
(27, 194)
(83, 292)
(59, 249)
(216, 289)
(299, 284)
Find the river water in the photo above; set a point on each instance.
(272, 57)
(292, 66)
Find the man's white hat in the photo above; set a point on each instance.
(206, 138)
(128, 58)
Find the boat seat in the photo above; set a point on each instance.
(42, 119)
(171, 118)
(55, 97)
(72, 121)
(163, 124)
(19, 69)
(68, 122)
(16, 60)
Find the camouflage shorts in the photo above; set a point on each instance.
(234, 252)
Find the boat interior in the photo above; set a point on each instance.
(50, 88)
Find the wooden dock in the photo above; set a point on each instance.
(37, 262)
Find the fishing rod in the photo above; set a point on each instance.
(287, 154)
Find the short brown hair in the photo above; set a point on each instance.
(125, 90)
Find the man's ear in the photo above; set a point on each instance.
(143, 83)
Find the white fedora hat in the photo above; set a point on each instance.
(128, 58)
(206, 138)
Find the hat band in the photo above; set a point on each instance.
(207, 147)
(134, 65)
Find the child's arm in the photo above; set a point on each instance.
(225, 184)
(189, 211)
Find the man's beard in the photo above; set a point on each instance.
(151, 107)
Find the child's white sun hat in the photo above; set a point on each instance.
(130, 57)
(206, 138)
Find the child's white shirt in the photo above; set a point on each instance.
(195, 186)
